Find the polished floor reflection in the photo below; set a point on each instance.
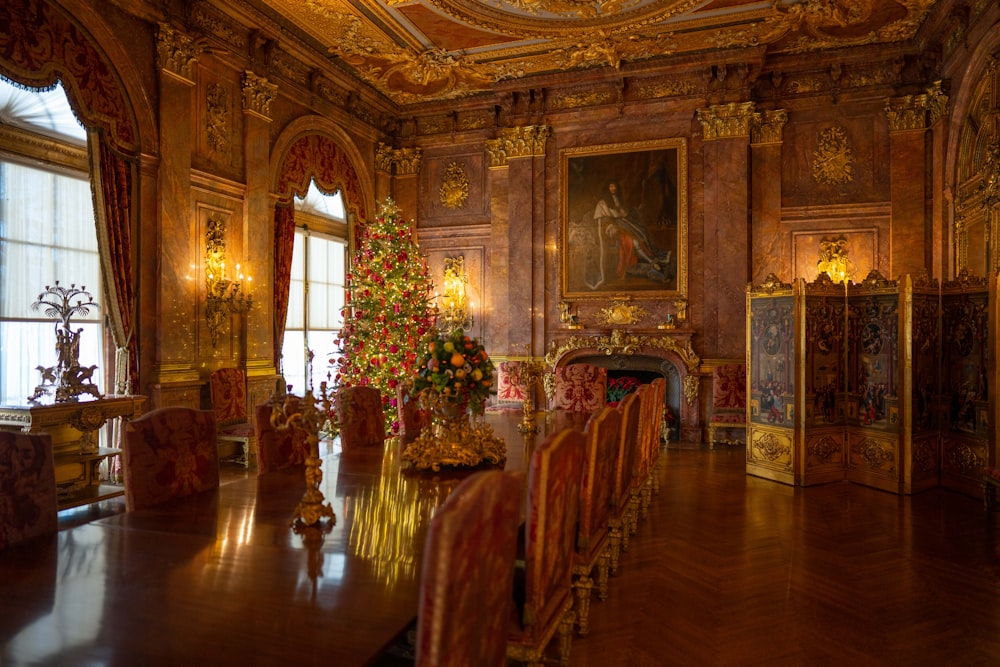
(730, 569)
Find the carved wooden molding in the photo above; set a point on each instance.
(768, 127)
(401, 161)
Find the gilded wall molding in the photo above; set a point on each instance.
(517, 142)
(726, 121)
(768, 127)
(258, 94)
(176, 53)
(398, 161)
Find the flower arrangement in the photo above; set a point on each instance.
(620, 387)
(455, 370)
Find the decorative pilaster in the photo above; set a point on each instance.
(258, 94)
(176, 53)
(726, 121)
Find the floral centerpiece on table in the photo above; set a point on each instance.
(455, 370)
(453, 379)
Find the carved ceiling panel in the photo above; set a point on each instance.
(422, 50)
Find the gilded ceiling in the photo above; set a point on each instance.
(421, 50)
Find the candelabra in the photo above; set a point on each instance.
(528, 374)
(307, 416)
(67, 379)
(225, 295)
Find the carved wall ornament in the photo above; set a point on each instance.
(649, 91)
(833, 162)
(383, 158)
(217, 116)
(621, 312)
(454, 190)
(258, 94)
(588, 99)
(726, 121)
(768, 127)
(176, 53)
(771, 285)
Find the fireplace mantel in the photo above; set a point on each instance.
(673, 345)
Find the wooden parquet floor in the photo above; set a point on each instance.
(730, 569)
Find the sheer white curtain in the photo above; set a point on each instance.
(47, 234)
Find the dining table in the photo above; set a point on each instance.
(224, 577)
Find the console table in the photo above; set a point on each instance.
(75, 430)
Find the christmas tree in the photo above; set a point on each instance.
(387, 313)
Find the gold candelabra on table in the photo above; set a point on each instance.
(307, 416)
(528, 374)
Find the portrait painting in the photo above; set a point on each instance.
(624, 219)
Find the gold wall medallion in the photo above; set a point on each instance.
(454, 191)
(621, 312)
(833, 163)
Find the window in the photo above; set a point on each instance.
(316, 292)
(47, 234)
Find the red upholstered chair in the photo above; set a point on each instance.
(640, 456)
(229, 403)
(729, 404)
(543, 591)
(511, 390)
(468, 572)
(593, 539)
(580, 387)
(169, 453)
(28, 499)
(628, 436)
(412, 418)
(656, 436)
(359, 417)
(279, 449)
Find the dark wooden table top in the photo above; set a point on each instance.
(222, 578)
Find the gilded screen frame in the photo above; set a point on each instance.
(651, 178)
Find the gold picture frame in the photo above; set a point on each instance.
(624, 220)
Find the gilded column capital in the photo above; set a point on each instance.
(937, 102)
(258, 94)
(516, 142)
(176, 53)
(768, 127)
(383, 158)
(405, 160)
(906, 113)
(726, 121)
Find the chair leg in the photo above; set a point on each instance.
(582, 586)
(603, 570)
(615, 544)
(566, 636)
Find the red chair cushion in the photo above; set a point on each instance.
(28, 500)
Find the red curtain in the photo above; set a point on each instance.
(116, 179)
(284, 242)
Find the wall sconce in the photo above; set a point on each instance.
(225, 295)
(833, 260)
(454, 311)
